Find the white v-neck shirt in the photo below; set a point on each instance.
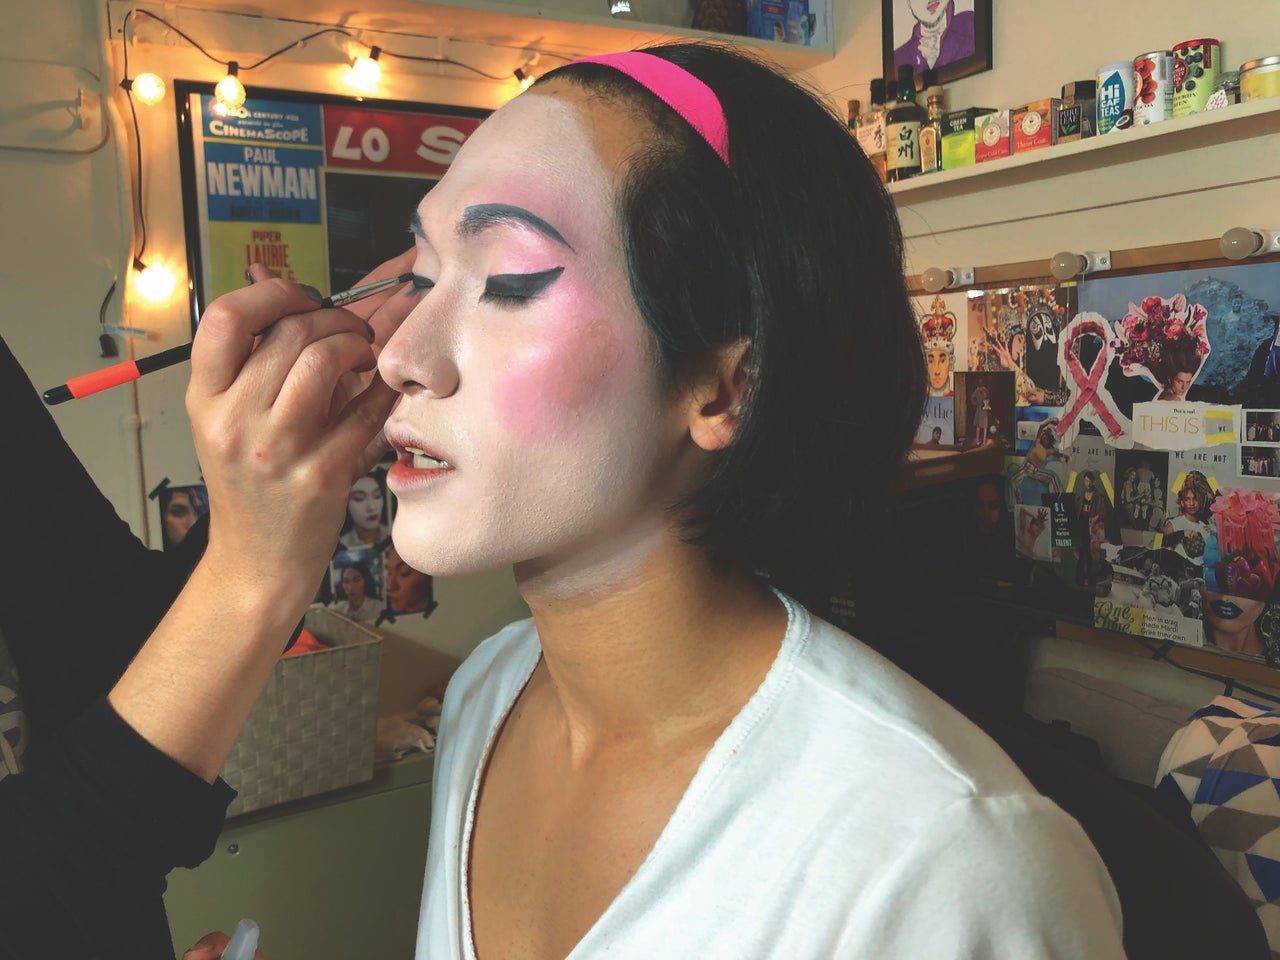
(845, 812)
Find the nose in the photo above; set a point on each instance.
(418, 358)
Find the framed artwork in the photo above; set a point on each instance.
(319, 188)
(950, 36)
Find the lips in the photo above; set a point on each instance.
(417, 463)
(1225, 609)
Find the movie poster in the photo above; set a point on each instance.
(318, 189)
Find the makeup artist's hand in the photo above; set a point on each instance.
(384, 312)
(278, 439)
(210, 947)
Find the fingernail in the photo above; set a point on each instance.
(368, 326)
(248, 275)
(312, 292)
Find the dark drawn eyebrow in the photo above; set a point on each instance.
(481, 216)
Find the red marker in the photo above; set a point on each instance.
(119, 373)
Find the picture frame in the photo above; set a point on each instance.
(965, 45)
(318, 187)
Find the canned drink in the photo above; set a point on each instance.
(1115, 96)
(1195, 74)
(1259, 79)
(1153, 79)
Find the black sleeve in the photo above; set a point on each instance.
(98, 816)
(82, 593)
(88, 831)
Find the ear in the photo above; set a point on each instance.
(715, 403)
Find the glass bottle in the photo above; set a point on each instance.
(871, 131)
(931, 134)
(902, 130)
(928, 80)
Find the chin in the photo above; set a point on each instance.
(431, 557)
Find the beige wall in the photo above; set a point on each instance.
(62, 239)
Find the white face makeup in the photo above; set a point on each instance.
(364, 503)
(526, 369)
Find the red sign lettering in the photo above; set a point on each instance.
(392, 141)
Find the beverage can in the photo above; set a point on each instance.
(1259, 79)
(1195, 74)
(1153, 80)
(1116, 83)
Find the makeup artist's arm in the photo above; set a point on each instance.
(72, 544)
(277, 444)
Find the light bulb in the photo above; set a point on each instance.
(154, 283)
(366, 72)
(230, 91)
(1240, 243)
(935, 279)
(1066, 265)
(148, 88)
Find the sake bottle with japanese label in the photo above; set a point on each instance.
(902, 130)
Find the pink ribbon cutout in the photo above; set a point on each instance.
(1085, 386)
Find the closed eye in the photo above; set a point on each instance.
(514, 289)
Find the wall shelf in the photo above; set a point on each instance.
(927, 466)
(512, 24)
(1208, 659)
(1238, 122)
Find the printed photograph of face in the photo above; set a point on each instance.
(1231, 623)
(180, 508)
(356, 578)
(532, 427)
(408, 591)
(366, 523)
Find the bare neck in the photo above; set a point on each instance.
(673, 648)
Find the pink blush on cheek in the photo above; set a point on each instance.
(541, 393)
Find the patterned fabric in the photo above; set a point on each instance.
(1226, 763)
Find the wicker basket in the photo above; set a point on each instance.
(312, 730)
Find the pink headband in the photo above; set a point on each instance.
(677, 88)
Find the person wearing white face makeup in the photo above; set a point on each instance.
(365, 505)
(662, 377)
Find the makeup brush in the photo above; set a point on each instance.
(113, 376)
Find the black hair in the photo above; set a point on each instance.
(380, 475)
(794, 247)
(370, 588)
(195, 495)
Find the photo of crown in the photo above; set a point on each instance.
(938, 328)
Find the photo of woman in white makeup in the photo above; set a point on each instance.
(366, 524)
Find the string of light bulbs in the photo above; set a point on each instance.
(156, 282)
(366, 70)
